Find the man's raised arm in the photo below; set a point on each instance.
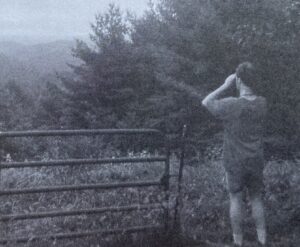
(229, 82)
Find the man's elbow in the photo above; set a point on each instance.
(204, 103)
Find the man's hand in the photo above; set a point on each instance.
(230, 81)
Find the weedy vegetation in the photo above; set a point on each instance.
(203, 212)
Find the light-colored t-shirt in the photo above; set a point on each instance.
(243, 121)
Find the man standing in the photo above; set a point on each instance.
(243, 120)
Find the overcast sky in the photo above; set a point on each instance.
(48, 20)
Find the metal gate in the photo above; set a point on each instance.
(162, 182)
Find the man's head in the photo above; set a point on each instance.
(246, 75)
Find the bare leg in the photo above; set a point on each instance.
(259, 217)
(236, 216)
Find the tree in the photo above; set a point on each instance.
(17, 106)
(130, 77)
(207, 39)
(101, 92)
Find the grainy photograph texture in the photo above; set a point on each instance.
(136, 123)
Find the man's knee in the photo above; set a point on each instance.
(236, 196)
(236, 202)
(255, 195)
(257, 207)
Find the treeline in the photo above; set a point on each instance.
(153, 71)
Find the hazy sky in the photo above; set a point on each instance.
(43, 20)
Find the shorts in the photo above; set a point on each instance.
(247, 174)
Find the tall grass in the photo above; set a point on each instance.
(83, 174)
(204, 213)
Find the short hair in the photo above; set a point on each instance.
(247, 73)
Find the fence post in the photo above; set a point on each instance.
(4, 227)
(166, 184)
(178, 202)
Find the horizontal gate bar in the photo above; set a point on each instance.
(81, 234)
(77, 162)
(79, 187)
(79, 212)
(84, 132)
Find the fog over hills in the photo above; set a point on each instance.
(11, 69)
(37, 35)
(29, 62)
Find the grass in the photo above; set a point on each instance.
(205, 216)
(85, 174)
(204, 213)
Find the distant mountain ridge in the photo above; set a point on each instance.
(12, 69)
(26, 62)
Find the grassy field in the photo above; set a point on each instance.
(204, 210)
(205, 216)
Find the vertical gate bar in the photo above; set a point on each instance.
(166, 181)
(3, 225)
(178, 202)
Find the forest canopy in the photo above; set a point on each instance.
(132, 72)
